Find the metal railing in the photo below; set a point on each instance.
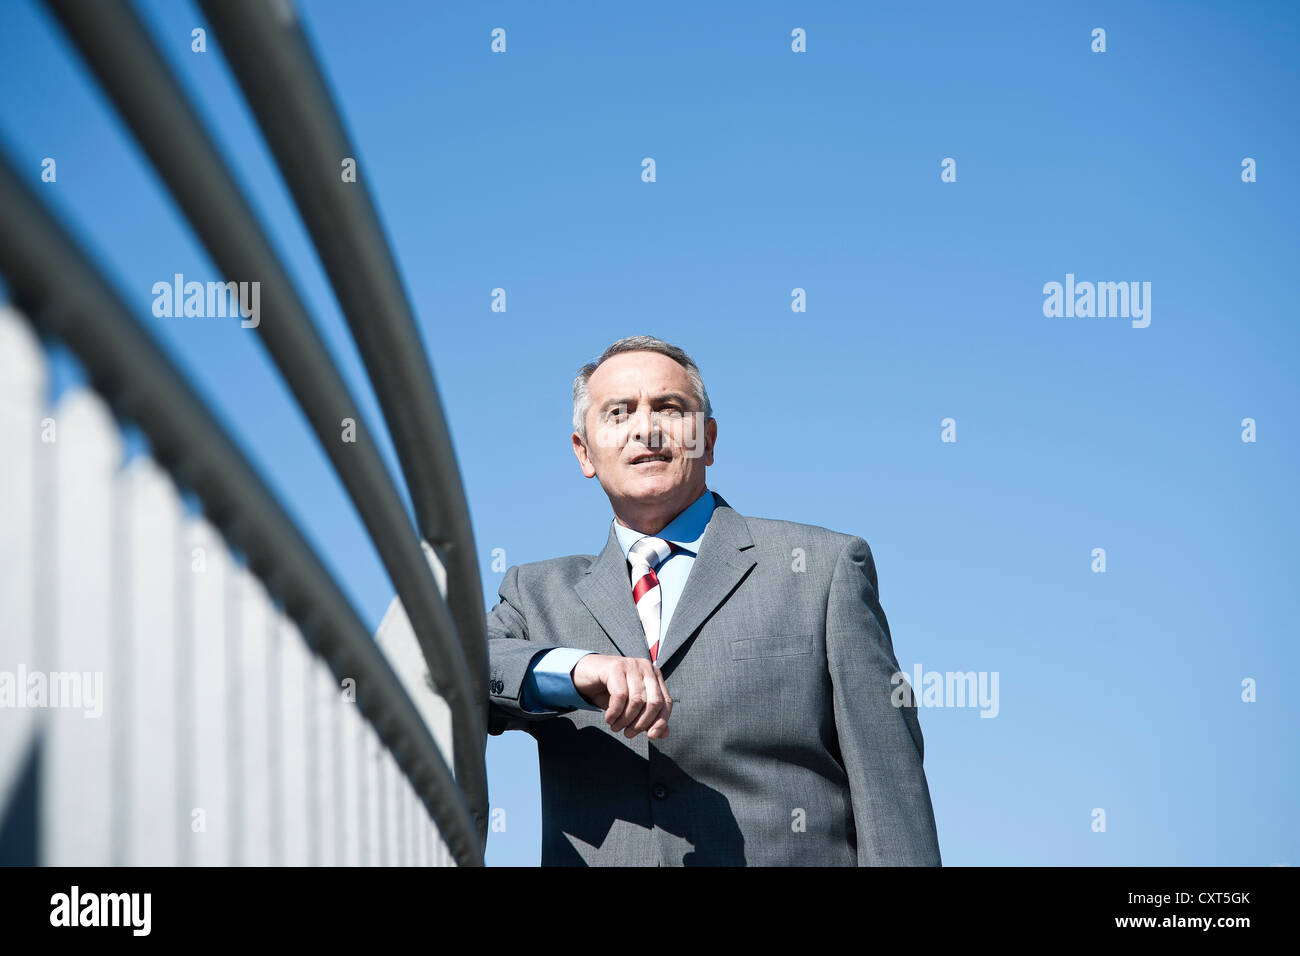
(65, 297)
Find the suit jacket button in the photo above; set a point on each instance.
(660, 791)
(498, 687)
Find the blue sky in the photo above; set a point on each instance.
(821, 171)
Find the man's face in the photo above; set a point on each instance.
(643, 407)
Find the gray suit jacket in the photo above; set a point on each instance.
(784, 745)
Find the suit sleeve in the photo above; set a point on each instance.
(881, 743)
(513, 696)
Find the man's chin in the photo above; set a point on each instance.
(651, 487)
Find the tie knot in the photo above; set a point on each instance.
(650, 551)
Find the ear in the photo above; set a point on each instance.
(580, 449)
(710, 436)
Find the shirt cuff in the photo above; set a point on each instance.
(548, 686)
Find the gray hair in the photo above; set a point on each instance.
(635, 343)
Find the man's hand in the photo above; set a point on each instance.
(631, 689)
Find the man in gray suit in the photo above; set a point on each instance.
(711, 689)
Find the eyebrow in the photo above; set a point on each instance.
(658, 399)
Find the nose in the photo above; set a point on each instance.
(645, 426)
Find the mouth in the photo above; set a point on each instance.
(646, 461)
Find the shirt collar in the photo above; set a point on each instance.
(686, 530)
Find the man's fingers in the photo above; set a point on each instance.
(635, 699)
(617, 687)
(653, 704)
(630, 690)
(663, 689)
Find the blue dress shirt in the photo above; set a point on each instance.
(548, 685)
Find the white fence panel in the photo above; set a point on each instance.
(324, 716)
(207, 699)
(372, 781)
(252, 693)
(295, 667)
(22, 400)
(76, 785)
(389, 789)
(350, 741)
(158, 569)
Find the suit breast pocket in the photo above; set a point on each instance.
(771, 645)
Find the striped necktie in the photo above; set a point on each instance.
(646, 555)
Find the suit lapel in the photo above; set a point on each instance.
(606, 589)
(722, 562)
(725, 557)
